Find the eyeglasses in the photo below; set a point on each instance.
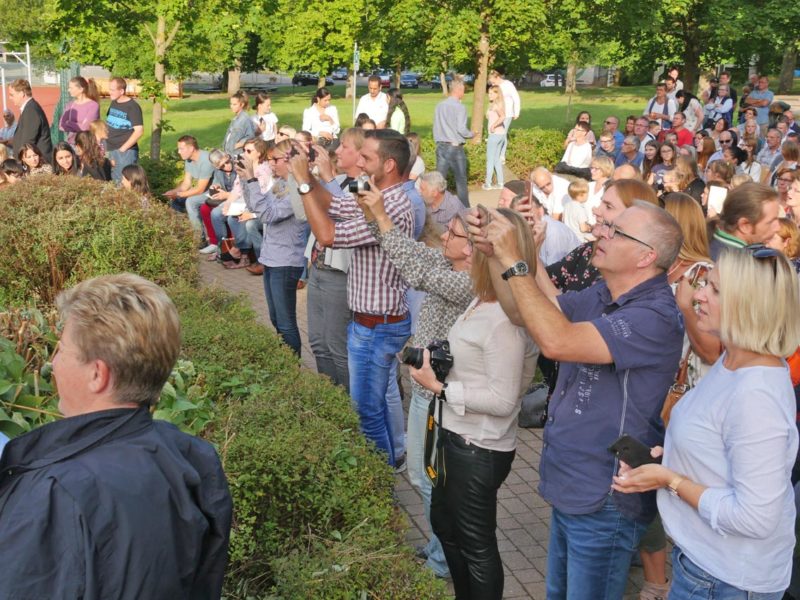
(276, 159)
(784, 180)
(602, 141)
(452, 234)
(613, 231)
(608, 122)
(728, 141)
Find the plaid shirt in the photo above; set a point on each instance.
(374, 286)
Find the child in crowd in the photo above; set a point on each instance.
(100, 131)
(265, 120)
(576, 212)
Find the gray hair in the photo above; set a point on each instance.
(633, 140)
(434, 180)
(456, 83)
(663, 232)
(216, 156)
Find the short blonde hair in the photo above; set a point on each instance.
(578, 187)
(604, 164)
(481, 276)
(751, 318)
(130, 324)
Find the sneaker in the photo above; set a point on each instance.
(498, 186)
(400, 465)
(210, 249)
(487, 187)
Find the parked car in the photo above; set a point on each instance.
(409, 80)
(340, 74)
(386, 78)
(550, 80)
(304, 78)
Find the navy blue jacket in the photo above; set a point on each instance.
(112, 504)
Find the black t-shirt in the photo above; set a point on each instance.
(121, 118)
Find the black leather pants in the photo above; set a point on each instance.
(464, 516)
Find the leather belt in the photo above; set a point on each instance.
(371, 321)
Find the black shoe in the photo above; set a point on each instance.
(420, 552)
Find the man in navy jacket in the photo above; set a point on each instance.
(107, 502)
(32, 126)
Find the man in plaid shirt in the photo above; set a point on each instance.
(376, 293)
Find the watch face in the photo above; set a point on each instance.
(520, 268)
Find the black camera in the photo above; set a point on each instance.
(441, 359)
(240, 161)
(312, 154)
(359, 185)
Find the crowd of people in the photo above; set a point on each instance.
(636, 267)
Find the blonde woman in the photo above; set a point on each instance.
(495, 115)
(724, 485)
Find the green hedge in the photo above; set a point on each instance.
(527, 148)
(57, 231)
(314, 511)
(164, 174)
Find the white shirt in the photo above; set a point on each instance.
(315, 126)
(577, 156)
(268, 122)
(510, 98)
(669, 107)
(377, 108)
(559, 240)
(576, 214)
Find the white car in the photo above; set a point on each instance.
(548, 81)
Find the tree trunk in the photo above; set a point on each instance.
(160, 43)
(691, 60)
(397, 69)
(321, 82)
(787, 68)
(348, 93)
(235, 78)
(479, 89)
(572, 71)
(443, 79)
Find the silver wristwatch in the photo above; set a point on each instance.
(518, 269)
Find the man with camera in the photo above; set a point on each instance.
(376, 293)
(619, 343)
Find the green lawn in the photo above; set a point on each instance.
(206, 116)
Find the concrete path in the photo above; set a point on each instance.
(523, 518)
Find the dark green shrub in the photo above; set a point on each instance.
(314, 516)
(60, 230)
(164, 174)
(527, 148)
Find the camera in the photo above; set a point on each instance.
(441, 359)
(312, 154)
(359, 185)
(240, 161)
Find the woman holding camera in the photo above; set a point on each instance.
(724, 489)
(321, 119)
(494, 362)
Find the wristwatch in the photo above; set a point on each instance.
(518, 269)
(303, 188)
(673, 485)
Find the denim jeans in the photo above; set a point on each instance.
(370, 353)
(453, 158)
(507, 125)
(238, 230)
(690, 582)
(193, 204)
(328, 319)
(397, 420)
(589, 555)
(254, 229)
(280, 288)
(121, 160)
(415, 441)
(464, 516)
(494, 149)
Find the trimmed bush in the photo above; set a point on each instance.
(58, 231)
(314, 516)
(164, 174)
(527, 148)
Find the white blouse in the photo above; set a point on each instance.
(316, 126)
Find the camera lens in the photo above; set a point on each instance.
(413, 357)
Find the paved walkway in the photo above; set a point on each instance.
(523, 518)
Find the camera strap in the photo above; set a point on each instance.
(434, 460)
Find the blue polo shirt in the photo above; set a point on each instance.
(592, 405)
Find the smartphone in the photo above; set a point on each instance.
(240, 161)
(716, 197)
(631, 451)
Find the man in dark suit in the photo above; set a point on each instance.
(32, 126)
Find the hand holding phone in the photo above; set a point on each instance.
(631, 451)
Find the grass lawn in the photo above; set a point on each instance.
(206, 116)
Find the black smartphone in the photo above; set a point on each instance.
(240, 161)
(631, 451)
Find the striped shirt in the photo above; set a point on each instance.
(374, 286)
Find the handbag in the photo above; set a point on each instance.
(677, 389)
(226, 244)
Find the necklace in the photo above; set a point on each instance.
(471, 310)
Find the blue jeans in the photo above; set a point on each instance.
(507, 124)
(280, 288)
(494, 149)
(397, 420)
(690, 582)
(589, 555)
(193, 204)
(370, 353)
(415, 440)
(239, 230)
(254, 230)
(453, 158)
(121, 160)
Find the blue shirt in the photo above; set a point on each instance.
(592, 405)
(636, 161)
(762, 112)
(417, 205)
(735, 433)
